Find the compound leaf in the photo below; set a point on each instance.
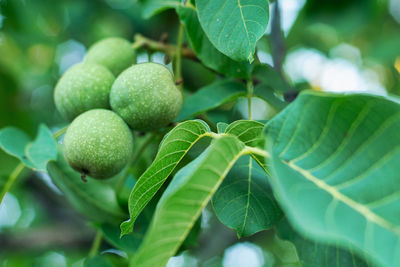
(172, 149)
(184, 199)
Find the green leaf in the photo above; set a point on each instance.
(210, 97)
(172, 149)
(267, 94)
(249, 132)
(244, 201)
(335, 162)
(95, 199)
(283, 251)
(13, 141)
(205, 50)
(34, 154)
(184, 199)
(234, 26)
(97, 261)
(266, 75)
(313, 254)
(128, 243)
(42, 149)
(221, 127)
(153, 7)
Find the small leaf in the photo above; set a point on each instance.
(244, 201)
(42, 149)
(267, 94)
(205, 50)
(221, 127)
(13, 141)
(95, 199)
(234, 26)
(153, 7)
(172, 149)
(266, 75)
(249, 132)
(210, 97)
(184, 199)
(335, 164)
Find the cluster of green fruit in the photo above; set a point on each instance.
(104, 96)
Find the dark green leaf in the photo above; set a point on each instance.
(267, 94)
(234, 26)
(97, 261)
(153, 7)
(266, 75)
(335, 162)
(210, 97)
(172, 149)
(95, 199)
(244, 201)
(184, 199)
(205, 50)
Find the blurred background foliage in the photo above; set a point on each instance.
(330, 45)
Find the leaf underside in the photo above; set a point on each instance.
(335, 162)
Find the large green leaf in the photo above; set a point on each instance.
(95, 199)
(244, 201)
(153, 7)
(184, 199)
(234, 26)
(210, 97)
(172, 149)
(205, 50)
(335, 162)
(314, 254)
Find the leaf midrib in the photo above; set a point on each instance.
(361, 209)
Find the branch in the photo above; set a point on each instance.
(141, 41)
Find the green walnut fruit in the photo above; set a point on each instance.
(146, 97)
(98, 143)
(83, 87)
(116, 54)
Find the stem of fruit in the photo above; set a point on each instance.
(141, 41)
(11, 180)
(249, 96)
(133, 161)
(178, 58)
(96, 244)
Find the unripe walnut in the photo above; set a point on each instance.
(146, 97)
(98, 143)
(116, 54)
(83, 87)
